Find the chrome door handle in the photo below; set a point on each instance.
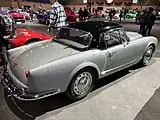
(111, 54)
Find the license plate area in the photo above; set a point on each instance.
(19, 22)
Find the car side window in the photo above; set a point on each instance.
(112, 38)
(101, 44)
(122, 36)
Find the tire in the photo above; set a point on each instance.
(73, 92)
(23, 21)
(147, 56)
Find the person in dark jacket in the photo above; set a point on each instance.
(120, 15)
(137, 17)
(4, 41)
(85, 13)
(111, 14)
(80, 12)
(142, 22)
(2, 49)
(150, 21)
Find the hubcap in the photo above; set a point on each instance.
(83, 83)
(148, 55)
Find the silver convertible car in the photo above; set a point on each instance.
(80, 54)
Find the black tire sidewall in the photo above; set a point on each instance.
(70, 91)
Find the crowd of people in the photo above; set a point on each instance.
(83, 14)
(146, 20)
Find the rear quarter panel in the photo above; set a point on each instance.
(58, 74)
(141, 45)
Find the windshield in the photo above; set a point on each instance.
(74, 37)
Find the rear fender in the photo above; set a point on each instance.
(155, 41)
(83, 65)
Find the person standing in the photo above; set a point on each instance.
(4, 43)
(96, 12)
(57, 16)
(85, 13)
(120, 16)
(31, 12)
(80, 12)
(111, 14)
(150, 21)
(137, 17)
(125, 12)
(39, 10)
(142, 22)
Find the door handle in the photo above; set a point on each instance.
(111, 53)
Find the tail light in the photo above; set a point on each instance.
(27, 74)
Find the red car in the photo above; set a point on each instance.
(70, 14)
(23, 37)
(18, 17)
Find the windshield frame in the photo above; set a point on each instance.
(73, 44)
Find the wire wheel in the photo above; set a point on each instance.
(81, 84)
(148, 55)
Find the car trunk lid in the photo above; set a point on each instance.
(37, 56)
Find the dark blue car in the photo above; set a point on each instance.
(43, 17)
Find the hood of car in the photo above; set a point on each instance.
(41, 54)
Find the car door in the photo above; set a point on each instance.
(118, 48)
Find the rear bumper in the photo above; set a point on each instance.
(22, 94)
(19, 20)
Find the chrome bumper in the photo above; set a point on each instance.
(19, 20)
(22, 94)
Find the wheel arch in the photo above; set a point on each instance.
(85, 65)
(154, 46)
(151, 44)
(32, 40)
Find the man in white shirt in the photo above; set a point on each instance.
(57, 15)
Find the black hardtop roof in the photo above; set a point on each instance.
(94, 26)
